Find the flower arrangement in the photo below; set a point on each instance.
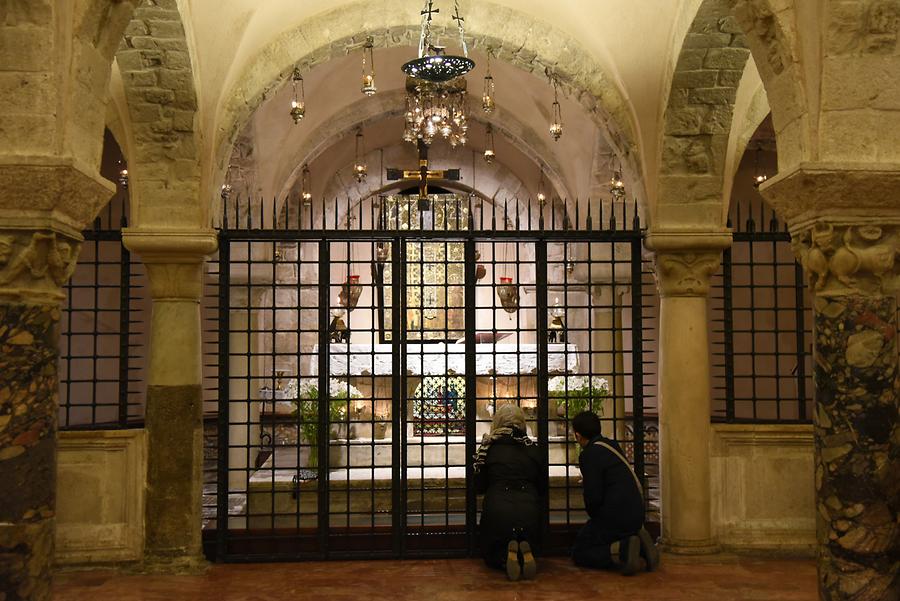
(575, 394)
(305, 395)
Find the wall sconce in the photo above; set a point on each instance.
(298, 102)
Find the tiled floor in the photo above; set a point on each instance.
(720, 578)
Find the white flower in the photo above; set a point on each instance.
(564, 384)
(308, 389)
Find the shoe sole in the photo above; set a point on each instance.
(649, 551)
(529, 565)
(630, 566)
(513, 569)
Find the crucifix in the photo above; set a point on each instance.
(423, 174)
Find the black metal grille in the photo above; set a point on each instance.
(380, 463)
(761, 313)
(102, 332)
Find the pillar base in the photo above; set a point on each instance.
(185, 565)
(690, 547)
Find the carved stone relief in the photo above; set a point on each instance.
(685, 273)
(35, 265)
(844, 258)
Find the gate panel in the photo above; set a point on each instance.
(359, 369)
(361, 403)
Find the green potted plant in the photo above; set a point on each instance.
(306, 406)
(574, 394)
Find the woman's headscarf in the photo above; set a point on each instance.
(509, 420)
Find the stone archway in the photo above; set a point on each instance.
(391, 104)
(698, 118)
(161, 104)
(522, 42)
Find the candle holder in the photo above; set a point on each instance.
(480, 270)
(509, 295)
(350, 292)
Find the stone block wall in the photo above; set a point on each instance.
(100, 499)
(762, 487)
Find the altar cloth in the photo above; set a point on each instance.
(440, 358)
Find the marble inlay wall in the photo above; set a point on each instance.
(852, 269)
(28, 394)
(857, 453)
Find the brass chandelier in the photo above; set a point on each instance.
(436, 88)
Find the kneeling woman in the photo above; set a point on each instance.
(508, 472)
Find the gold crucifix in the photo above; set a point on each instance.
(423, 174)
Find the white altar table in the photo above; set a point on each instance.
(440, 358)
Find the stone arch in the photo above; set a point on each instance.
(770, 31)
(503, 186)
(391, 104)
(698, 118)
(527, 44)
(157, 78)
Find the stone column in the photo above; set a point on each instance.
(174, 420)
(845, 229)
(34, 264)
(684, 263)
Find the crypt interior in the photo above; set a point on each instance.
(681, 215)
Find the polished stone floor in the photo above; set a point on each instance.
(719, 578)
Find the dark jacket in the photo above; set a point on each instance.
(512, 484)
(611, 496)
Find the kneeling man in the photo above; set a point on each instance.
(614, 535)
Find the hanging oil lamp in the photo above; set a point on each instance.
(489, 144)
(306, 186)
(123, 175)
(368, 74)
(509, 295)
(758, 176)
(556, 127)
(541, 195)
(298, 102)
(487, 95)
(617, 185)
(360, 170)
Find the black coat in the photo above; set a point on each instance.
(611, 496)
(512, 483)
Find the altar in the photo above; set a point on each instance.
(440, 358)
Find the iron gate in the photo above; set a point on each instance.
(362, 353)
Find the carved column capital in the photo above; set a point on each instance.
(174, 260)
(685, 260)
(849, 256)
(35, 264)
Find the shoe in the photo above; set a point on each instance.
(648, 550)
(513, 569)
(529, 565)
(630, 555)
